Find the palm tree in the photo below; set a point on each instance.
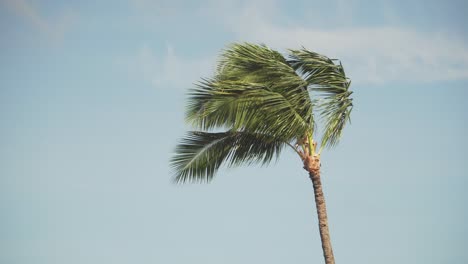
(265, 102)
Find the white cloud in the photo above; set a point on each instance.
(53, 29)
(369, 54)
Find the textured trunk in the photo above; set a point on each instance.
(312, 165)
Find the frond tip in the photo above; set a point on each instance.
(200, 154)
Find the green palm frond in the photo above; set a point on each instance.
(248, 106)
(329, 81)
(257, 64)
(335, 110)
(317, 70)
(200, 154)
(255, 89)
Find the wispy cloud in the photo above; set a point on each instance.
(53, 28)
(370, 54)
(386, 52)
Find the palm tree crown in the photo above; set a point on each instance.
(264, 102)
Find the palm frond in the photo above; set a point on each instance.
(317, 70)
(329, 80)
(335, 110)
(258, 64)
(255, 89)
(200, 154)
(245, 106)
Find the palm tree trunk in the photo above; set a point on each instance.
(312, 165)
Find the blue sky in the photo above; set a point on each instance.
(91, 107)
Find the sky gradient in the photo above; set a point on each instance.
(92, 100)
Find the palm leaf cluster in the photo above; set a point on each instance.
(263, 101)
